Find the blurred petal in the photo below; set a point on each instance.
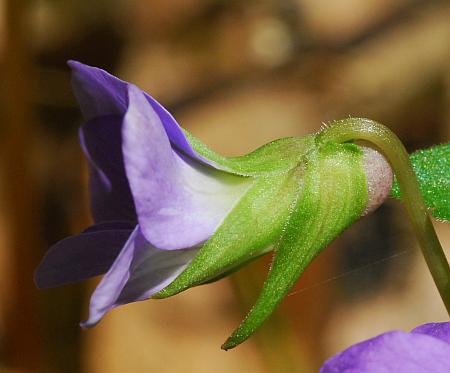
(100, 93)
(139, 271)
(101, 140)
(439, 330)
(395, 351)
(79, 257)
(179, 203)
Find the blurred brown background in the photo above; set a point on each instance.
(237, 74)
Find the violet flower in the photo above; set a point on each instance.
(154, 199)
(171, 214)
(426, 349)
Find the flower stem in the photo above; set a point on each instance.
(394, 151)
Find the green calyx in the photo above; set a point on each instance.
(276, 170)
(333, 196)
(273, 158)
(304, 192)
(297, 205)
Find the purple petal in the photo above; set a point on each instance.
(101, 140)
(97, 92)
(100, 93)
(179, 203)
(80, 257)
(439, 330)
(394, 351)
(139, 271)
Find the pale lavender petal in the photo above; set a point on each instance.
(439, 330)
(80, 257)
(100, 93)
(395, 351)
(101, 140)
(179, 203)
(139, 271)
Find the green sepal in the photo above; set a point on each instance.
(246, 233)
(334, 195)
(273, 158)
(432, 168)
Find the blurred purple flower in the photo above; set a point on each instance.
(425, 349)
(154, 199)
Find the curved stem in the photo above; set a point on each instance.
(394, 151)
